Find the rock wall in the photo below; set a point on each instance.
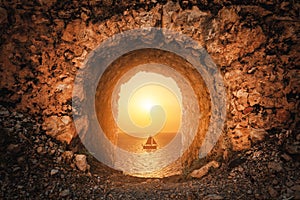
(255, 45)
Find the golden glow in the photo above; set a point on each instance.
(143, 100)
(149, 104)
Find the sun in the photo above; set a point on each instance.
(141, 103)
(149, 104)
(145, 102)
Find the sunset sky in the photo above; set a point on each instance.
(149, 104)
(143, 100)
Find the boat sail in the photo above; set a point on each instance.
(150, 144)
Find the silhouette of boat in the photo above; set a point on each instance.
(150, 144)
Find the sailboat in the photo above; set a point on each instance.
(150, 144)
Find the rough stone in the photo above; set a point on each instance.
(64, 193)
(3, 16)
(286, 157)
(62, 128)
(81, 162)
(53, 172)
(254, 98)
(282, 115)
(67, 156)
(275, 166)
(4, 113)
(213, 197)
(248, 110)
(296, 188)
(21, 37)
(40, 150)
(74, 31)
(199, 173)
(240, 138)
(257, 135)
(14, 148)
(293, 149)
(273, 193)
(297, 195)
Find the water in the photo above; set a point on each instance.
(134, 144)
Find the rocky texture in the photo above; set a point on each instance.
(81, 163)
(265, 171)
(199, 173)
(61, 128)
(255, 46)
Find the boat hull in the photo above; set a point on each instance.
(149, 147)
